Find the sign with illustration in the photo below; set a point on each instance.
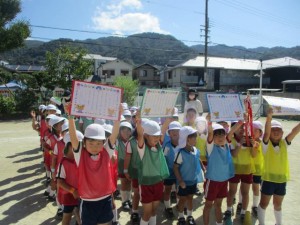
(96, 100)
(225, 107)
(158, 102)
(283, 106)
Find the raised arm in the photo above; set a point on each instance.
(293, 133)
(210, 135)
(72, 131)
(115, 131)
(164, 128)
(140, 130)
(268, 125)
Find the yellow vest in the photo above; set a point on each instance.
(276, 164)
(243, 162)
(259, 161)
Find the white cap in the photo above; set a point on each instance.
(65, 126)
(183, 134)
(51, 107)
(144, 120)
(201, 124)
(42, 107)
(54, 120)
(107, 128)
(58, 112)
(126, 113)
(276, 124)
(50, 116)
(133, 108)
(152, 128)
(95, 131)
(174, 126)
(258, 125)
(54, 100)
(126, 124)
(67, 138)
(99, 121)
(217, 127)
(124, 105)
(175, 112)
(122, 118)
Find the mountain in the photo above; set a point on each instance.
(153, 48)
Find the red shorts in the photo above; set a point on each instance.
(151, 193)
(244, 178)
(135, 183)
(215, 189)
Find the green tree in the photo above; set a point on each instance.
(129, 86)
(12, 33)
(66, 64)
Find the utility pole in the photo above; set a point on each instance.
(206, 41)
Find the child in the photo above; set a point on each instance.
(193, 102)
(259, 163)
(244, 169)
(169, 152)
(153, 169)
(67, 182)
(276, 167)
(219, 169)
(124, 136)
(187, 169)
(131, 165)
(93, 158)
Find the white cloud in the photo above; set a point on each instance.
(126, 17)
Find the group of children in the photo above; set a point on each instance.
(150, 160)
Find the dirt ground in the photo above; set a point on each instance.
(22, 182)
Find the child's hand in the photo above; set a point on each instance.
(208, 117)
(121, 109)
(182, 184)
(255, 144)
(270, 112)
(243, 140)
(138, 117)
(75, 194)
(68, 108)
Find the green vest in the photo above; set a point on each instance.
(135, 159)
(153, 168)
(121, 156)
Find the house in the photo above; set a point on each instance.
(98, 61)
(147, 75)
(8, 89)
(23, 68)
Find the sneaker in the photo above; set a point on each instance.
(254, 211)
(198, 192)
(190, 220)
(239, 209)
(126, 206)
(130, 204)
(242, 218)
(135, 219)
(227, 215)
(173, 197)
(46, 193)
(52, 198)
(59, 214)
(169, 213)
(117, 194)
(181, 221)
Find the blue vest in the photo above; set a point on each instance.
(190, 168)
(170, 157)
(219, 164)
(166, 139)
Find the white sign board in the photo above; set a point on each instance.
(284, 106)
(95, 100)
(158, 102)
(225, 107)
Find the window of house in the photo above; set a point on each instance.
(170, 75)
(124, 72)
(143, 83)
(143, 73)
(108, 73)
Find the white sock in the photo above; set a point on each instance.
(128, 193)
(261, 213)
(58, 204)
(142, 222)
(278, 217)
(135, 211)
(48, 173)
(48, 189)
(255, 200)
(173, 188)
(240, 196)
(124, 196)
(115, 212)
(189, 212)
(229, 208)
(219, 223)
(243, 211)
(152, 220)
(167, 204)
(180, 215)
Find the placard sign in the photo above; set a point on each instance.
(158, 102)
(96, 100)
(225, 107)
(283, 106)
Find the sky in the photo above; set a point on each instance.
(255, 23)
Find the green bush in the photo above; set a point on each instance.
(7, 105)
(25, 100)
